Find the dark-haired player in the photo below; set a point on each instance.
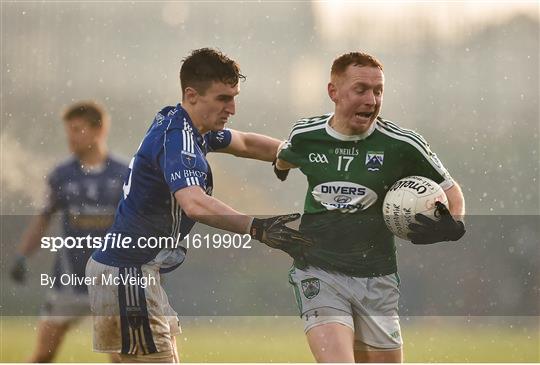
(169, 189)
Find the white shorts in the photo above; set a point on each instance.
(65, 306)
(369, 306)
(132, 318)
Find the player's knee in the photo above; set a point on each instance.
(331, 342)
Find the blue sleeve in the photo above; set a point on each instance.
(179, 161)
(218, 140)
(52, 199)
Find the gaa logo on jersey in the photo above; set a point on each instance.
(374, 160)
(188, 159)
(318, 158)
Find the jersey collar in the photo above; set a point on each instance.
(344, 137)
(93, 170)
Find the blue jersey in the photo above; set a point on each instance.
(172, 156)
(86, 201)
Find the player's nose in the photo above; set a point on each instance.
(231, 107)
(369, 98)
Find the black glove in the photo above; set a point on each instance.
(19, 270)
(429, 231)
(274, 233)
(281, 174)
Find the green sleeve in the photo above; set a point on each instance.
(291, 152)
(426, 163)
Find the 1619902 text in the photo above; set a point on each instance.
(216, 240)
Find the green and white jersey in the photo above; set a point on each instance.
(348, 177)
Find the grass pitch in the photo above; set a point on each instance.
(267, 339)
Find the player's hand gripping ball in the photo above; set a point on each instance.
(428, 231)
(406, 198)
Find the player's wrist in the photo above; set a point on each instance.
(275, 164)
(20, 258)
(256, 229)
(248, 225)
(280, 147)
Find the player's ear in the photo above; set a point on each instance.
(103, 131)
(190, 95)
(332, 92)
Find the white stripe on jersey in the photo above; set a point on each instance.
(173, 214)
(176, 215)
(134, 290)
(391, 127)
(164, 147)
(187, 127)
(311, 122)
(184, 142)
(187, 140)
(179, 219)
(294, 132)
(397, 128)
(129, 303)
(448, 182)
(306, 121)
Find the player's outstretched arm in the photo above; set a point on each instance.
(212, 212)
(252, 145)
(30, 241)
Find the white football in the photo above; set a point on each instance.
(407, 197)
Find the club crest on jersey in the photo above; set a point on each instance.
(188, 159)
(311, 287)
(374, 160)
(159, 119)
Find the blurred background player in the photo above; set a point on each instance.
(167, 191)
(346, 284)
(85, 189)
